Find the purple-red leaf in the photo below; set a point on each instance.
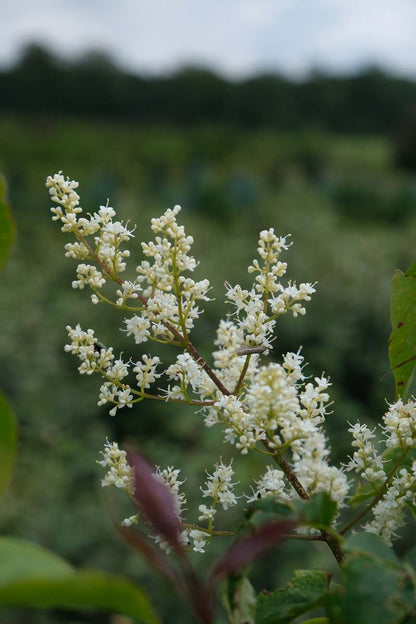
(154, 556)
(155, 500)
(243, 552)
(199, 595)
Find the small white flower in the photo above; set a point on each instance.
(127, 522)
(207, 513)
(199, 540)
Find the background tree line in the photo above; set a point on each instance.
(370, 101)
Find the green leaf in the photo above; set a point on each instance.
(269, 505)
(7, 442)
(363, 493)
(239, 600)
(410, 557)
(369, 544)
(20, 559)
(303, 593)
(390, 457)
(372, 590)
(267, 509)
(31, 576)
(320, 510)
(412, 508)
(402, 343)
(318, 620)
(7, 229)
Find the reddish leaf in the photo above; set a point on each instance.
(154, 556)
(199, 596)
(156, 501)
(255, 545)
(194, 592)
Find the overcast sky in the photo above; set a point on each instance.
(237, 37)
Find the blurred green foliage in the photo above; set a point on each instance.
(7, 230)
(352, 219)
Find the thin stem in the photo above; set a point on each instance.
(334, 545)
(205, 366)
(290, 475)
(331, 540)
(375, 500)
(309, 538)
(242, 375)
(179, 297)
(205, 530)
(259, 450)
(141, 394)
(95, 256)
(115, 305)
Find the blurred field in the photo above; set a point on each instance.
(352, 219)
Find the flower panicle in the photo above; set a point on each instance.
(263, 406)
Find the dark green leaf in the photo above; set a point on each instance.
(412, 508)
(318, 620)
(320, 510)
(372, 591)
(410, 557)
(20, 559)
(7, 229)
(402, 343)
(33, 577)
(269, 505)
(390, 457)
(7, 442)
(363, 493)
(267, 509)
(369, 544)
(304, 593)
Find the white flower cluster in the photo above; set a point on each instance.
(119, 472)
(272, 484)
(220, 488)
(110, 234)
(389, 514)
(257, 309)
(262, 406)
(400, 425)
(365, 459)
(62, 192)
(313, 470)
(172, 299)
(93, 355)
(96, 358)
(279, 409)
(399, 432)
(166, 302)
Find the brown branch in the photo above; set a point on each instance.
(332, 541)
(290, 475)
